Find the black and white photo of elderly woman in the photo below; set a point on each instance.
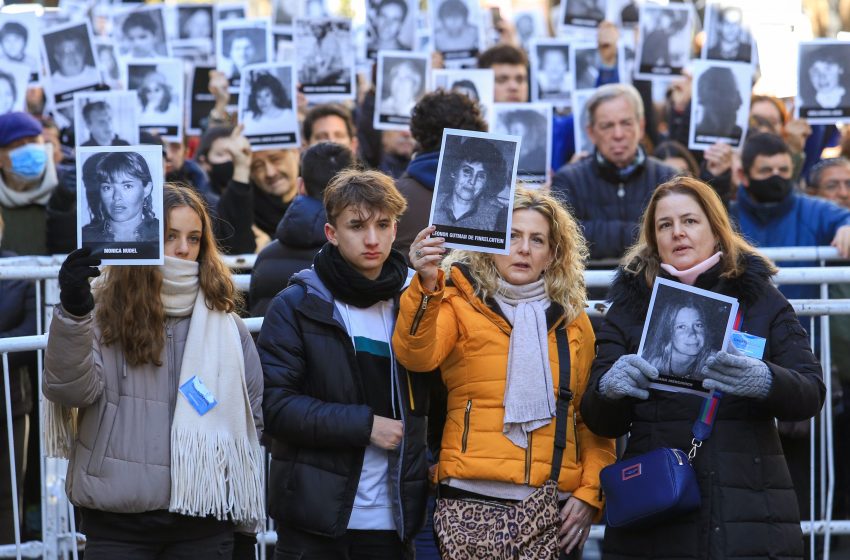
(681, 342)
(119, 195)
(269, 105)
(473, 174)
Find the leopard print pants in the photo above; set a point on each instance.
(475, 529)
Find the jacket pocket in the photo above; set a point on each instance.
(101, 443)
(466, 425)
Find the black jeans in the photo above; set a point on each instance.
(293, 544)
(216, 547)
(20, 433)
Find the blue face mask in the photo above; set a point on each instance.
(28, 161)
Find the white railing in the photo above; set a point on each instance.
(59, 535)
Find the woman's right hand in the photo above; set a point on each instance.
(74, 288)
(425, 256)
(630, 376)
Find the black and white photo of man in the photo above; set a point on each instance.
(585, 64)
(477, 84)
(532, 122)
(475, 175)
(241, 43)
(13, 87)
(325, 58)
(581, 138)
(721, 103)
(402, 81)
(551, 77)
(389, 27)
(16, 30)
(727, 37)
(70, 59)
(529, 24)
(665, 39)
(140, 33)
(119, 203)
(455, 26)
(824, 81)
(105, 118)
(583, 13)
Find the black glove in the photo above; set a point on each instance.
(74, 288)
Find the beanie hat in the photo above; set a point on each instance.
(17, 125)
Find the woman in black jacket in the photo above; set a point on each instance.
(749, 509)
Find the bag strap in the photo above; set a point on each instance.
(565, 396)
(701, 430)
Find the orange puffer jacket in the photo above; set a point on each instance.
(454, 330)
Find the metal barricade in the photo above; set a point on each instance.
(59, 535)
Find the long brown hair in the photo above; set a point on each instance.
(643, 256)
(564, 278)
(129, 306)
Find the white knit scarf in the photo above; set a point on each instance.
(216, 461)
(529, 392)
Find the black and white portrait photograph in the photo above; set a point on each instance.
(391, 25)
(119, 203)
(475, 184)
(19, 42)
(195, 39)
(582, 140)
(283, 46)
(283, 12)
(585, 63)
(140, 32)
(402, 81)
(551, 79)
(158, 85)
(823, 81)
(230, 11)
(529, 24)
(728, 38)
(720, 105)
(533, 123)
(267, 106)
(477, 84)
(105, 118)
(71, 63)
(325, 58)
(110, 68)
(582, 13)
(240, 43)
(14, 79)
(455, 28)
(664, 44)
(684, 327)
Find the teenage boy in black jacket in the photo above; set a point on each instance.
(348, 473)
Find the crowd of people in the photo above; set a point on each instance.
(409, 394)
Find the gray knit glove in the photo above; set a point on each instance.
(630, 376)
(737, 375)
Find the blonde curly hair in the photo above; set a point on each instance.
(564, 278)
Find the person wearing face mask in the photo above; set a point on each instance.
(686, 237)
(133, 459)
(771, 212)
(27, 179)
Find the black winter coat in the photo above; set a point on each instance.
(607, 206)
(299, 236)
(18, 314)
(749, 509)
(314, 411)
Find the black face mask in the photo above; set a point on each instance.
(220, 175)
(772, 189)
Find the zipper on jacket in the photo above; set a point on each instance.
(410, 392)
(466, 425)
(575, 434)
(419, 313)
(169, 332)
(621, 191)
(528, 458)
